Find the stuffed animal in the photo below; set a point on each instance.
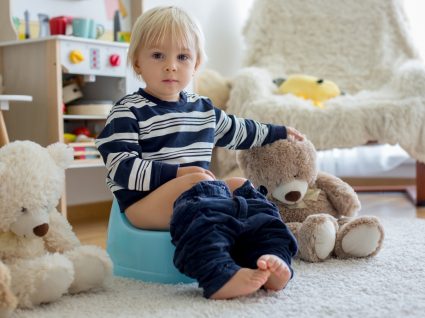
(320, 209)
(217, 87)
(40, 256)
(309, 87)
(213, 85)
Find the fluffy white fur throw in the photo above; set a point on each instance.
(364, 46)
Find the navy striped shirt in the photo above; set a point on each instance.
(146, 139)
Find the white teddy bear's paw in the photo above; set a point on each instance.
(317, 236)
(8, 301)
(52, 280)
(361, 237)
(92, 267)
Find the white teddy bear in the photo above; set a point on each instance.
(40, 256)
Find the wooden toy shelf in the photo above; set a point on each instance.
(36, 68)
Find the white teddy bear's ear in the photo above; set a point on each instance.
(61, 154)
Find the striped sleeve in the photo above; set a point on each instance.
(237, 133)
(118, 143)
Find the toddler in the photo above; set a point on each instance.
(157, 145)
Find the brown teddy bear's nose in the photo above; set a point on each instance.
(292, 196)
(41, 230)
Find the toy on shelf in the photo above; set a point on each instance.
(68, 138)
(76, 104)
(82, 131)
(89, 107)
(71, 92)
(84, 150)
(81, 140)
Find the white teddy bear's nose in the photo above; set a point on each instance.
(41, 230)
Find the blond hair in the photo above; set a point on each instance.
(153, 25)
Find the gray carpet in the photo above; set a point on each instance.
(390, 285)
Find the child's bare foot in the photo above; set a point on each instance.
(244, 282)
(279, 271)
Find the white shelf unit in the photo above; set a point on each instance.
(84, 117)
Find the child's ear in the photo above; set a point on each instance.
(196, 67)
(136, 66)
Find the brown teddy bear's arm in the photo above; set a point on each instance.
(339, 193)
(60, 236)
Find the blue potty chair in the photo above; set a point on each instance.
(141, 254)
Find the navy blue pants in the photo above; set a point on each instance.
(216, 233)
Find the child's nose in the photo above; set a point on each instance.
(170, 67)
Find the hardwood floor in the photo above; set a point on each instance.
(92, 232)
(390, 204)
(91, 222)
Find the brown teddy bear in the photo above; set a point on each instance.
(320, 209)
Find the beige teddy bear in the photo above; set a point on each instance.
(213, 85)
(320, 209)
(40, 256)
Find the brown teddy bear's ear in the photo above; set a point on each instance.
(252, 163)
(61, 154)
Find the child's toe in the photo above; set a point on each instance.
(262, 264)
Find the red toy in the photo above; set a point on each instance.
(82, 131)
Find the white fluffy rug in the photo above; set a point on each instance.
(389, 285)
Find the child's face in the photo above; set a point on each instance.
(166, 68)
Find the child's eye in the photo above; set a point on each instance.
(157, 55)
(183, 57)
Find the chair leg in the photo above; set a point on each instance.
(415, 192)
(4, 138)
(420, 183)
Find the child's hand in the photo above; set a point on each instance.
(193, 169)
(293, 134)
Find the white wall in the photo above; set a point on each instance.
(415, 12)
(222, 22)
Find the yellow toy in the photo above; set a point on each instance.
(313, 88)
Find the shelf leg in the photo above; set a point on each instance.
(4, 138)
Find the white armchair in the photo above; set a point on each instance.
(364, 46)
